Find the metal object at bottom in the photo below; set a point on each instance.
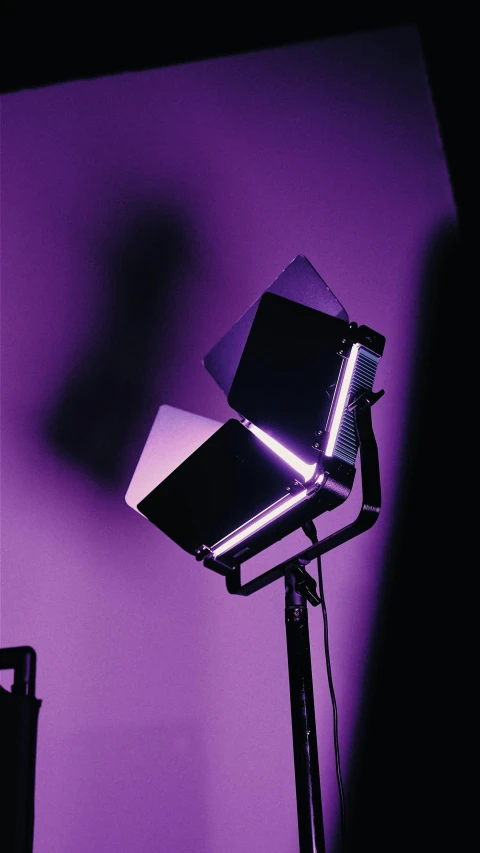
(307, 774)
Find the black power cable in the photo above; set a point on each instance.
(310, 531)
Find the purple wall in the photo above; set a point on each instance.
(141, 215)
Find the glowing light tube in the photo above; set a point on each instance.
(261, 520)
(307, 471)
(341, 400)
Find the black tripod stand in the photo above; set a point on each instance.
(300, 588)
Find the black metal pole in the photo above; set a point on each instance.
(307, 775)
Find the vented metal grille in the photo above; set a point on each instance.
(346, 445)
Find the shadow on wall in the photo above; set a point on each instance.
(107, 396)
(402, 791)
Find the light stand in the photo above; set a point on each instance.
(304, 732)
(300, 588)
(300, 377)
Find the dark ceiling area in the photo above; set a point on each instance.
(42, 46)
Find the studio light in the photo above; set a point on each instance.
(290, 455)
(298, 376)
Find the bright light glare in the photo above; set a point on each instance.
(307, 471)
(341, 400)
(262, 521)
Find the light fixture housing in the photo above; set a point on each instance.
(300, 282)
(227, 492)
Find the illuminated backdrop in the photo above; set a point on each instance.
(141, 215)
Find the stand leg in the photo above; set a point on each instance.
(307, 776)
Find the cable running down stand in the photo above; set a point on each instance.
(300, 588)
